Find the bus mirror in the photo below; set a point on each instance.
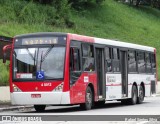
(4, 58)
(5, 48)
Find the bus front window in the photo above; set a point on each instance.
(29, 61)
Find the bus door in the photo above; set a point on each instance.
(124, 72)
(100, 67)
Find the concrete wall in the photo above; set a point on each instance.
(4, 93)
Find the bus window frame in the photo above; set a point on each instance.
(80, 51)
(150, 62)
(37, 46)
(80, 57)
(117, 59)
(93, 46)
(135, 52)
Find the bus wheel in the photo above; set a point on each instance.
(88, 100)
(133, 100)
(141, 95)
(39, 108)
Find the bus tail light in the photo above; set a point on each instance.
(16, 89)
(59, 87)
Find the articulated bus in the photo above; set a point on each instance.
(70, 69)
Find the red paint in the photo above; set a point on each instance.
(37, 86)
(66, 69)
(81, 38)
(10, 72)
(6, 47)
(78, 90)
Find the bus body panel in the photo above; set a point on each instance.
(39, 98)
(113, 86)
(66, 70)
(47, 86)
(78, 89)
(138, 79)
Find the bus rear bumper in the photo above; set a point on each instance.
(39, 98)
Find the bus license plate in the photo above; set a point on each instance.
(35, 95)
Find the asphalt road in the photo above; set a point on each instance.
(150, 106)
(146, 113)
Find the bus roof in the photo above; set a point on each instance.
(123, 44)
(96, 40)
(41, 34)
(118, 43)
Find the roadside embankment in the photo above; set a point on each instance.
(4, 94)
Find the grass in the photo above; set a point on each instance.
(111, 20)
(4, 74)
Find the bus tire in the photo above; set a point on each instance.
(88, 100)
(39, 108)
(141, 95)
(133, 100)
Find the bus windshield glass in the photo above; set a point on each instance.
(39, 63)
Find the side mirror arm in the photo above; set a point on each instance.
(5, 48)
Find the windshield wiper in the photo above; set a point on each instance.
(30, 54)
(45, 55)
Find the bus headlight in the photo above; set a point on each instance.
(59, 87)
(16, 89)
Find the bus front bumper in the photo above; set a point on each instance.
(40, 98)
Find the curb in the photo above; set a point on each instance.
(15, 108)
(155, 95)
(158, 94)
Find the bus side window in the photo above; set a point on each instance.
(88, 61)
(148, 62)
(108, 59)
(74, 59)
(153, 60)
(75, 65)
(115, 60)
(132, 61)
(141, 62)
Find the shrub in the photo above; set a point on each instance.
(36, 14)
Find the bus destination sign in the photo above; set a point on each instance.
(34, 41)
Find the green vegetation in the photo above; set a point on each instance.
(111, 20)
(4, 74)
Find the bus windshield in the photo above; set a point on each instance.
(30, 62)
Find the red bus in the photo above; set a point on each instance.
(69, 69)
